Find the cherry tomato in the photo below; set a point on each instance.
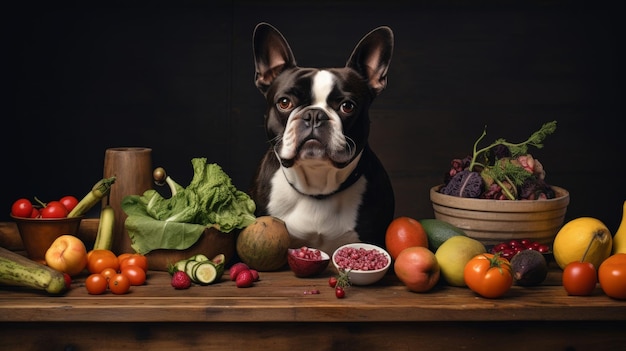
(22, 208)
(96, 284)
(108, 273)
(98, 260)
(119, 284)
(579, 278)
(68, 281)
(133, 260)
(54, 209)
(488, 275)
(35, 213)
(136, 274)
(69, 202)
(121, 257)
(612, 276)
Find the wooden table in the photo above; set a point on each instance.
(276, 314)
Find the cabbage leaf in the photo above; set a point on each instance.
(210, 200)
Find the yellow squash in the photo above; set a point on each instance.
(619, 240)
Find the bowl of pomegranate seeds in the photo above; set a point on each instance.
(365, 263)
(306, 261)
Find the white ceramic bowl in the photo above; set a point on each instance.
(359, 276)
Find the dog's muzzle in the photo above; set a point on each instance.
(313, 134)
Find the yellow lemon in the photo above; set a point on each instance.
(582, 239)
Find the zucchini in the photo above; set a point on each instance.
(101, 189)
(104, 238)
(17, 270)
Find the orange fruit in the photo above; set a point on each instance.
(612, 276)
(404, 232)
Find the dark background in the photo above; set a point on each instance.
(79, 79)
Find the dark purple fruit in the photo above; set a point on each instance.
(529, 268)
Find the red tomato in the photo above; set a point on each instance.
(108, 273)
(136, 274)
(404, 232)
(35, 213)
(579, 278)
(69, 202)
(488, 275)
(612, 276)
(123, 256)
(119, 284)
(98, 260)
(22, 208)
(96, 284)
(54, 209)
(135, 259)
(68, 281)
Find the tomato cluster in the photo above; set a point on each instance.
(53, 209)
(115, 273)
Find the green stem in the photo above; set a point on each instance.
(476, 153)
(505, 190)
(43, 204)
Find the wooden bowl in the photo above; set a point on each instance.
(211, 243)
(495, 221)
(38, 234)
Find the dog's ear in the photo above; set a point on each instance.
(272, 55)
(371, 57)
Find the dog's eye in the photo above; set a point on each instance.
(284, 104)
(347, 107)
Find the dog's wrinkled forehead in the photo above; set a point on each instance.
(314, 86)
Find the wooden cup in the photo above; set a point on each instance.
(132, 168)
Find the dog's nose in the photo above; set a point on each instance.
(314, 118)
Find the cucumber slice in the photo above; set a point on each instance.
(199, 258)
(189, 269)
(180, 265)
(205, 273)
(219, 267)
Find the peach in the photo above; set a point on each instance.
(67, 254)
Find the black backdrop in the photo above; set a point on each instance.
(179, 79)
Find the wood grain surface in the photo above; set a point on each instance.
(277, 314)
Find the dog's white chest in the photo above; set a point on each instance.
(321, 223)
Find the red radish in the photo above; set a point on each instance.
(236, 268)
(244, 279)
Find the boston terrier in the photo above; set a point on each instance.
(320, 175)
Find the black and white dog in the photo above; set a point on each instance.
(320, 175)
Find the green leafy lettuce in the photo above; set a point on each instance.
(210, 200)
